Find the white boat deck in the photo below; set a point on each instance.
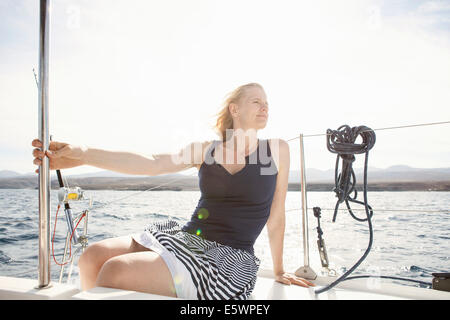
(266, 288)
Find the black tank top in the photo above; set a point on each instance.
(233, 208)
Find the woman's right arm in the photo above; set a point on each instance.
(120, 161)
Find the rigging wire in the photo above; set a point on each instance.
(96, 207)
(308, 135)
(137, 193)
(386, 128)
(387, 210)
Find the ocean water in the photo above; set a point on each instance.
(406, 243)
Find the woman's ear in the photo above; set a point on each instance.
(233, 108)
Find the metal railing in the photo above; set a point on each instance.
(44, 170)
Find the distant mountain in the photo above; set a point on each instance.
(394, 178)
(104, 173)
(394, 173)
(8, 174)
(401, 168)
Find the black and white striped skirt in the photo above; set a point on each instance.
(218, 272)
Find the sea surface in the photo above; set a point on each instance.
(407, 243)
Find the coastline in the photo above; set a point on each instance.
(188, 183)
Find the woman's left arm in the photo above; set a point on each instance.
(276, 222)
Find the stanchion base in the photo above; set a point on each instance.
(50, 285)
(28, 289)
(306, 272)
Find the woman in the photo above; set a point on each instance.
(243, 183)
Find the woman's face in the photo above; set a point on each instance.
(252, 111)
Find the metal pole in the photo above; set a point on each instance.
(304, 205)
(305, 271)
(44, 169)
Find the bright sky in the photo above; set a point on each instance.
(149, 76)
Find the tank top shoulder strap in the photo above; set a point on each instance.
(209, 157)
(269, 152)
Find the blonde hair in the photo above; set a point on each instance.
(224, 119)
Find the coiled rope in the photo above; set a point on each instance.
(342, 142)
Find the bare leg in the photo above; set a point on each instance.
(138, 271)
(93, 258)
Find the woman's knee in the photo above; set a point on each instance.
(98, 253)
(92, 257)
(112, 273)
